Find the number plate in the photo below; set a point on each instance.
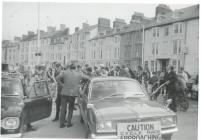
(139, 130)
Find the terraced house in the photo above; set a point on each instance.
(50, 48)
(169, 38)
(172, 38)
(10, 52)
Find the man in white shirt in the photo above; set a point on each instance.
(183, 74)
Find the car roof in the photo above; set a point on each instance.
(10, 78)
(7, 75)
(111, 78)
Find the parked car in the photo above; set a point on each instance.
(117, 107)
(21, 105)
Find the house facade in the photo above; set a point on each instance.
(172, 39)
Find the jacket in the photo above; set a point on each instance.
(172, 77)
(71, 80)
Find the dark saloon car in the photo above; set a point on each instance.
(21, 105)
(119, 108)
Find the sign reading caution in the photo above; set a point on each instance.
(139, 130)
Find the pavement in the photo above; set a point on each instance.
(187, 125)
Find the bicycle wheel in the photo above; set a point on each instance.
(184, 105)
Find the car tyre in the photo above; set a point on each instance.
(167, 137)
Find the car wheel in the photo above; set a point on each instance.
(184, 105)
(167, 137)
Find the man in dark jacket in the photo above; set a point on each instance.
(59, 88)
(171, 87)
(70, 89)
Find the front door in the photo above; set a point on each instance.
(39, 103)
(164, 64)
(82, 101)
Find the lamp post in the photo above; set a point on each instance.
(38, 54)
(143, 36)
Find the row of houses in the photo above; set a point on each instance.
(169, 38)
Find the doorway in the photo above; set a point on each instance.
(164, 64)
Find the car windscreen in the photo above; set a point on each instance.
(11, 87)
(101, 89)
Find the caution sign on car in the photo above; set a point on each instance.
(139, 130)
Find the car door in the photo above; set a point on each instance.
(83, 101)
(38, 103)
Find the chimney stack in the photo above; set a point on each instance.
(66, 31)
(118, 23)
(41, 31)
(162, 9)
(17, 39)
(62, 27)
(76, 29)
(85, 25)
(24, 36)
(30, 33)
(50, 29)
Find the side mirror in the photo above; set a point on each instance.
(90, 106)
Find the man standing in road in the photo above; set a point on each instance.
(171, 88)
(59, 88)
(70, 88)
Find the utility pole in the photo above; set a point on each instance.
(38, 53)
(143, 45)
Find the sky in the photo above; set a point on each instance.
(21, 17)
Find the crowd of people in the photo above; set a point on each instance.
(64, 91)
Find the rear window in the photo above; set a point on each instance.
(11, 87)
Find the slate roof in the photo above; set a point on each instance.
(183, 14)
(89, 28)
(54, 34)
(180, 15)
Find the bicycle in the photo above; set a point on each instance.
(182, 102)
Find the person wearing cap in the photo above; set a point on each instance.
(89, 72)
(70, 87)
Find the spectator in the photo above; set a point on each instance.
(69, 92)
(139, 74)
(171, 88)
(153, 81)
(183, 74)
(124, 72)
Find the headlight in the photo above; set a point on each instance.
(168, 122)
(10, 123)
(104, 126)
